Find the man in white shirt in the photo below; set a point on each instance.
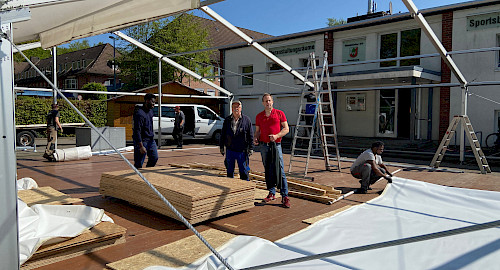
(369, 167)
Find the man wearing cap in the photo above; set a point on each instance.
(237, 138)
(143, 135)
(178, 126)
(53, 125)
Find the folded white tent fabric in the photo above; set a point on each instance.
(75, 153)
(407, 208)
(46, 224)
(26, 183)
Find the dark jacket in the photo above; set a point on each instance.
(143, 125)
(242, 140)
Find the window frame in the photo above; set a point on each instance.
(398, 49)
(72, 81)
(247, 74)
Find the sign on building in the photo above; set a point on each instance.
(483, 21)
(301, 48)
(354, 50)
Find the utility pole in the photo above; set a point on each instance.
(114, 62)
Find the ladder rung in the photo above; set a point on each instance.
(300, 160)
(307, 114)
(300, 125)
(328, 125)
(303, 138)
(300, 149)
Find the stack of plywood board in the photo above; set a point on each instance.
(296, 187)
(100, 236)
(196, 195)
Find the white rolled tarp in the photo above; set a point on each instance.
(407, 208)
(75, 153)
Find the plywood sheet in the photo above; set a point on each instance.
(198, 196)
(46, 195)
(177, 254)
(100, 236)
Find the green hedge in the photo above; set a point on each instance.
(32, 110)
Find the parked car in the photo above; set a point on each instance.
(200, 123)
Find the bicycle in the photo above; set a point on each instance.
(493, 141)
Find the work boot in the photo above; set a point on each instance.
(270, 197)
(360, 191)
(285, 202)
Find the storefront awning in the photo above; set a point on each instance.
(385, 77)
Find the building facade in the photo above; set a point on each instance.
(367, 101)
(74, 69)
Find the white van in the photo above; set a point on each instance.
(200, 123)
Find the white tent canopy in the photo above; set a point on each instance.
(58, 22)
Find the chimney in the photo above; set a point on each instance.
(370, 6)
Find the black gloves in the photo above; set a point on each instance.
(222, 151)
(388, 178)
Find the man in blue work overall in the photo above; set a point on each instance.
(143, 135)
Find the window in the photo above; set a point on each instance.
(247, 78)
(59, 67)
(70, 83)
(305, 61)
(273, 66)
(78, 64)
(73, 65)
(168, 112)
(211, 92)
(66, 67)
(84, 63)
(204, 113)
(409, 44)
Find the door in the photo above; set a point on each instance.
(205, 122)
(167, 120)
(386, 124)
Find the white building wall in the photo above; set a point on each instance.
(281, 85)
(477, 67)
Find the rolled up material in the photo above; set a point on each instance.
(76, 153)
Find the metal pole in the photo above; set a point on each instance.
(54, 72)
(9, 242)
(254, 44)
(446, 58)
(114, 65)
(171, 62)
(159, 102)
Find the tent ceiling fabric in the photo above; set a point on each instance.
(69, 20)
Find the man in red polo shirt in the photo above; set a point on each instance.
(270, 127)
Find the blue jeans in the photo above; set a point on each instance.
(268, 166)
(151, 152)
(243, 164)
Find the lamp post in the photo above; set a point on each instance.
(114, 62)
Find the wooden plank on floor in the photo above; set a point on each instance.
(177, 254)
(46, 195)
(325, 215)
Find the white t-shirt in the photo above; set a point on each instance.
(365, 156)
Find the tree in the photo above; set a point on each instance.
(93, 86)
(334, 21)
(183, 34)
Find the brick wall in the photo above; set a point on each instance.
(444, 93)
(328, 45)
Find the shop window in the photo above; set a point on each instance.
(498, 52)
(247, 75)
(409, 44)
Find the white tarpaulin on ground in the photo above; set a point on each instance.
(57, 22)
(47, 224)
(407, 208)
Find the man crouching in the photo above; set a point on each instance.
(369, 167)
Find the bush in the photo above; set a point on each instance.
(93, 86)
(32, 110)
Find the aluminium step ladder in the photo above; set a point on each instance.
(316, 129)
(473, 141)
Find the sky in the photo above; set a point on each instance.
(281, 17)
